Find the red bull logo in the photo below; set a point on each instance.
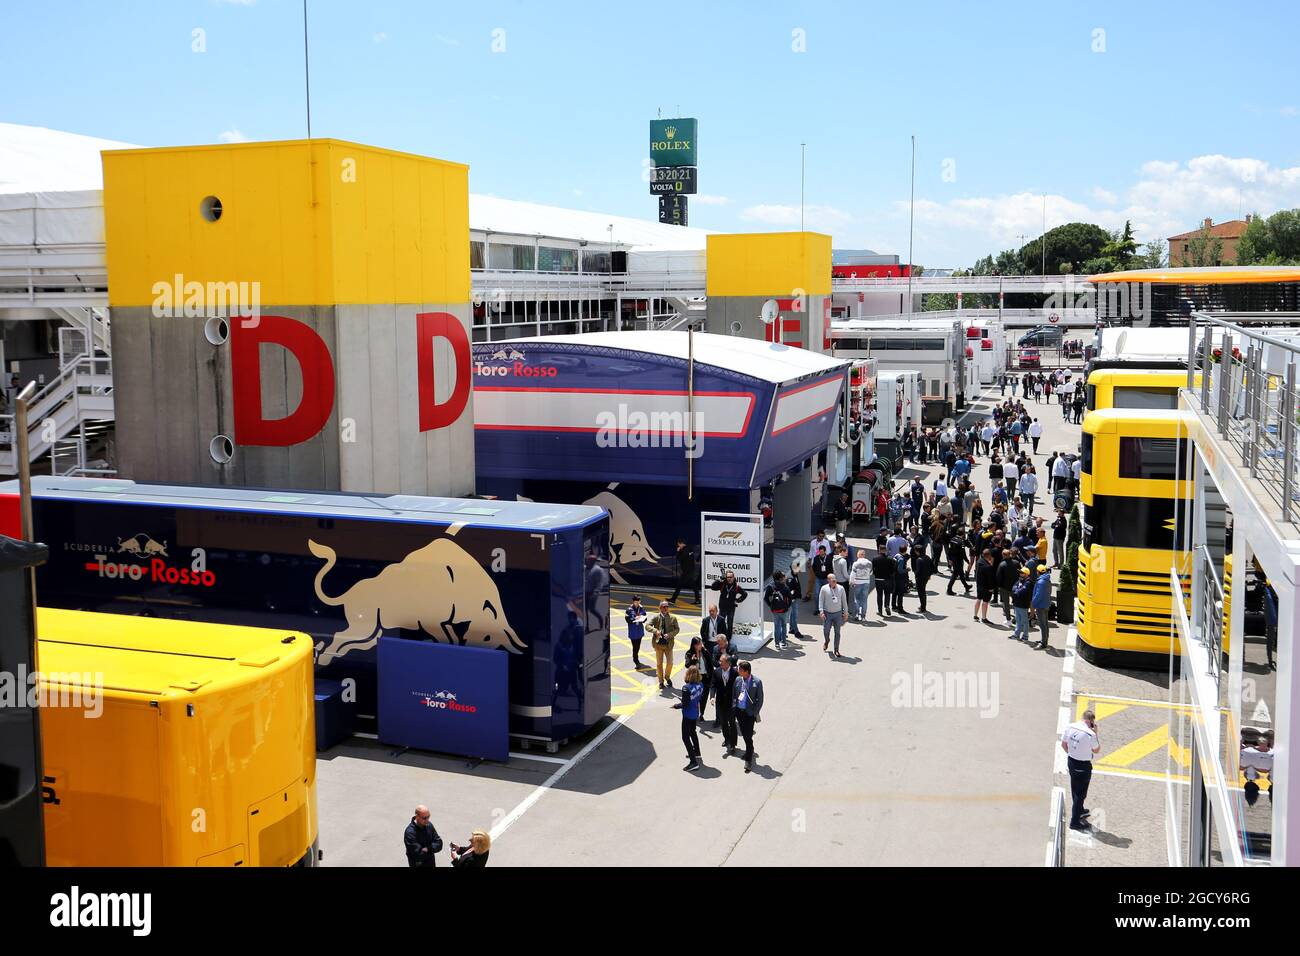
(438, 589)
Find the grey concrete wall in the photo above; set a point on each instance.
(172, 394)
(379, 391)
(724, 311)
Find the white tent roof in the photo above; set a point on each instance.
(51, 171)
(767, 361)
(526, 218)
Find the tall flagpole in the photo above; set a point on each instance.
(911, 219)
(306, 65)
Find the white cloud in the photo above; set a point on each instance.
(1167, 197)
(1104, 196)
(233, 135)
(815, 218)
(380, 37)
(446, 41)
(706, 199)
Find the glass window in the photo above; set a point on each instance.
(476, 255)
(1085, 465)
(928, 345)
(553, 259)
(1134, 396)
(595, 262)
(1092, 398)
(512, 257)
(1155, 458)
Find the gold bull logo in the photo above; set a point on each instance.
(134, 545)
(438, 589)
(628, 541)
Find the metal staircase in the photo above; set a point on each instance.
(73, 411)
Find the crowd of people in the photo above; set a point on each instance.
(996, 544)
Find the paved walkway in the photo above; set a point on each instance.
(929, 743)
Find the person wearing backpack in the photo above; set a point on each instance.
(1022, 593)
(1041, 602)
(779, 600)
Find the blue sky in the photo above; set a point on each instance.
(1173, 112)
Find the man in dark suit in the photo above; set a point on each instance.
(724, 685)
(747, 701)
(421, 839)
(713, 625)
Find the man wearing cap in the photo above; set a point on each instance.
(1041, 601)
(1022, 593)
(1081, 743)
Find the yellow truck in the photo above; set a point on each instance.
(171, 743)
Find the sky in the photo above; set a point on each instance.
(1159, 112)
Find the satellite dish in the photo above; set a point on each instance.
(736, 328)
(770, 311)
(1120, 341)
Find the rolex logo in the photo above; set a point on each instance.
(670, 132)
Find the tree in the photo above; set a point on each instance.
(1073, 243)
(1152, 256)
(1204, 249)
(1271, 241)
(1122, 246)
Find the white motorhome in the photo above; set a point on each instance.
(990, 349)
(934, 348)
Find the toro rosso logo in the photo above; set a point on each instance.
(516, 368)
(444, 700)
(156, 571)
(438, 589)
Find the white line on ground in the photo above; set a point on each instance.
(526, 804)
(518, 756)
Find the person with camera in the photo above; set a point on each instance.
(663, 628)
(730, 593)
(474, 855)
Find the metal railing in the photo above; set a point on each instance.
(1056, 829)
(1248, 391)
(1210, 632)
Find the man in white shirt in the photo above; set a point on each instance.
(1254, 761)
(1081, 743)
(1035, 433)
(1060, 473)
(833, 609)
(1009, 474)
(1028, 488)
(1077, 470)
(986, 436)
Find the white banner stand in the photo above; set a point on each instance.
(734, 542)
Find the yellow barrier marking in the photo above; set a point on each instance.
(1135, 750)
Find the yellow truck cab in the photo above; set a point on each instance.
(172, 743)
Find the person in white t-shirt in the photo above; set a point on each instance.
(1060, 473)
(1081, 743)
(1035, 433)
(1077, 469)
(1009, 474)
